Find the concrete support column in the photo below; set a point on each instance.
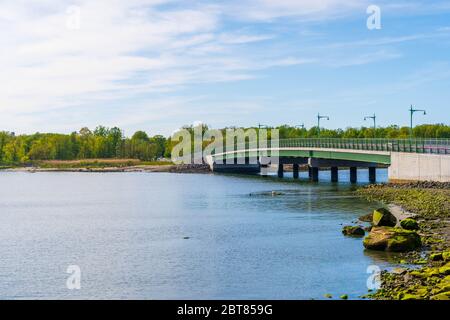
(295, 170)
(280, 171)
(315, 174)
(353, 174)
(334, 174)
(310, 173)
(372, 174)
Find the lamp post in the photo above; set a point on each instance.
(374, 117)
(412, 111)
(319, 117)
(262, 126)
(300, 126)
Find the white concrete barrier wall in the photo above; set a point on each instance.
(419, 167)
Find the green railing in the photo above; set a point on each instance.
(430, 146)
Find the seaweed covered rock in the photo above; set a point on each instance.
(383, 218)
(366, 218)
(409, 224)
(446, 256)
(392, 239)
(354, 231)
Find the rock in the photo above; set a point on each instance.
(441, 296)
(408, 297)
(328, 296)
(446, 255)
(436, 256)
(353, 231)
(392, 239)
(366, 218)
(399, 271)
(409, 224)
(383, 218)
(368, 229)
(445, 270)
(344, 297)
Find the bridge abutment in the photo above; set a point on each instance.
(419, 167)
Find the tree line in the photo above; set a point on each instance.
(102, 143)
(109, 143)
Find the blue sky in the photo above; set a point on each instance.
(157, 65)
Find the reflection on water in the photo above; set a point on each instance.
(179, 236)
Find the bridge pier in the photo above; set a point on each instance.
(310, 174)
(334, 174)
(295, 168)
(315, 174)
(353, 174)
(280, 170)
(372, 174)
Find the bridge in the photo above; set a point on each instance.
(407, 159)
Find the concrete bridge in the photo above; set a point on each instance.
(407, 159)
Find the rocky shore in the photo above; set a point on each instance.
(421, 232)
(172, 168)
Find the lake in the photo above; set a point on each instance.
(180, 236)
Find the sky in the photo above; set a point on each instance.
(157, 65)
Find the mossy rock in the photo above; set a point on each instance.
(441, 296)
(408, 297)
(383, 218)
(436, 256)
(328, 296)
(392, 239)
(445, 270)
(354, 231)
(446, 255)
(409, 224)
(366, 218)
(344, 297)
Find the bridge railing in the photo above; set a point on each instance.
(430, 146)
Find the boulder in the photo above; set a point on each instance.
(392, 239)
(353, 231)
(366, 218)
(437, 256)
(383, 218)
(409, 224)
(446, 256)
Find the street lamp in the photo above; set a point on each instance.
(412, 110)
(300, 126)
(262, 126)
(374, 117)
(319, 117)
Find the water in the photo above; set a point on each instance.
(126, 232)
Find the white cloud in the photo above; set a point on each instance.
(135, 48)
(305, 10)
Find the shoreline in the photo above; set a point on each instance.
(170, 168)
(425, 272)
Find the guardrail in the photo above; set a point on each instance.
(430, 146)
